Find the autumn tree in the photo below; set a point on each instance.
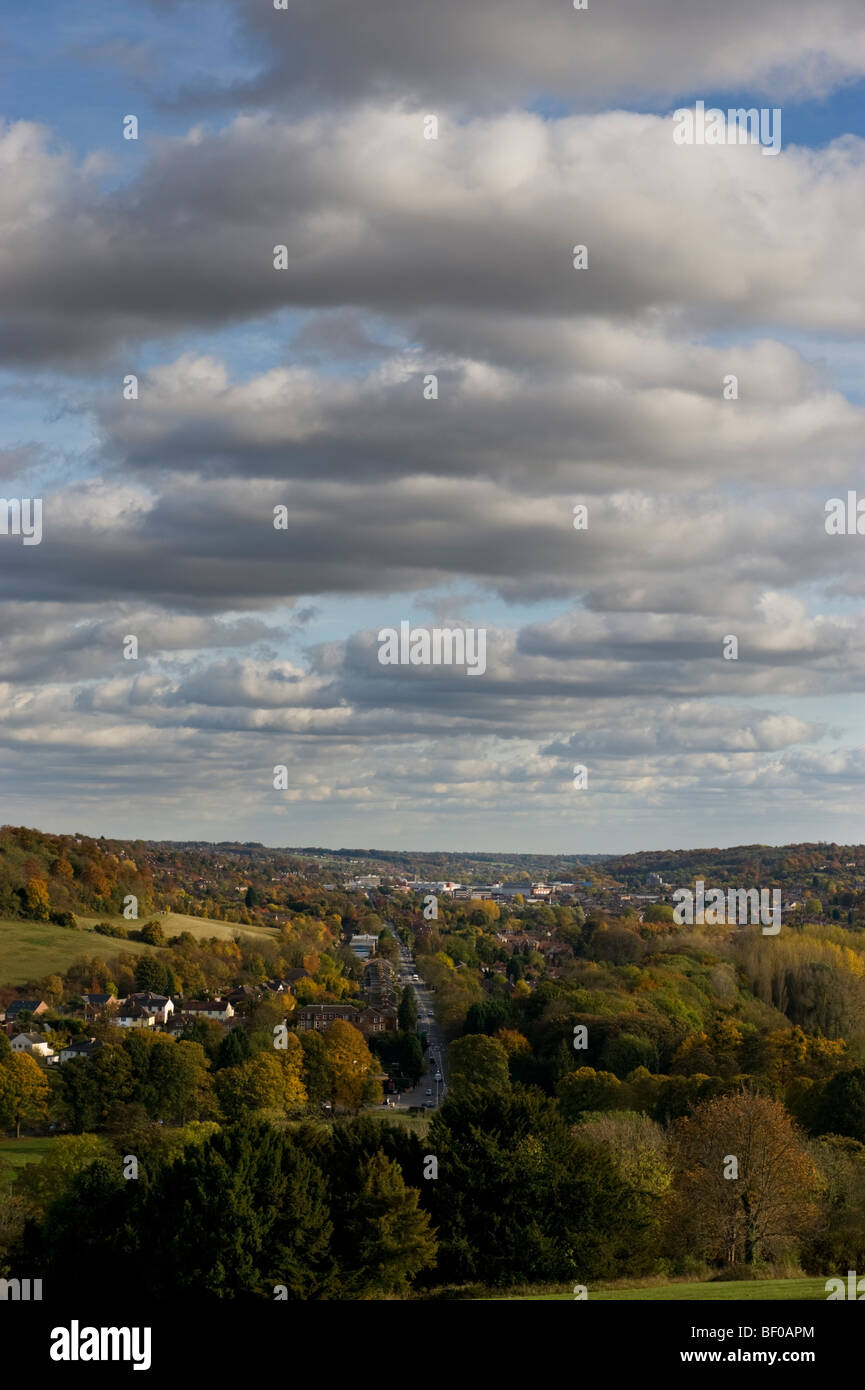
(352, 1066)
(745, 1182)
(252, 1089)
(316, 1067)
(585, 1089)
(24, 1093)
(294, 1096)
(37, 902)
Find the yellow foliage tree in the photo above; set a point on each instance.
(353, 1068)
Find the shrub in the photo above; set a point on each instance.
(109, 929)
(64, 919)
(152, 934)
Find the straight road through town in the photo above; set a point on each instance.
(435, 1057)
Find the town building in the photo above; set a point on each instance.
(364, 946)
(219, 1009)
(34, 1044)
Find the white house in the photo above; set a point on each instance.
(158, 1005)
(132, 1016)
(82, 1047)
(220, 1009)
(33, 1043)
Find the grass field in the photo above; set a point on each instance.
(756, 1290)
(418, 1124)
(31, 949)
(19, 1152)
(173, 923)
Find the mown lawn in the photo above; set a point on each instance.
(19, 1152)
(756, 1290)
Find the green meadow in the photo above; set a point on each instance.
(31, 949)
(753, 1290)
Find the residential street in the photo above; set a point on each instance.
(435, 1057)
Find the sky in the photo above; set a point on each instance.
(605, 386)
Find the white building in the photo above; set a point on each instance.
(219, 1009)
(34, 1044)
(158, 1005)
(364, 946)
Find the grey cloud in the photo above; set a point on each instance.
(490, 54)
(484, 221)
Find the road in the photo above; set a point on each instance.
(435, 1059)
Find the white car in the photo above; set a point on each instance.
(429, 1091)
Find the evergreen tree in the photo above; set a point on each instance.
(390, 1238)
(234, 1049)
(407, 1012)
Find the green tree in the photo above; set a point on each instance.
(77, 1100)
(152, 934)
(42, 1183)
(585, 1089)
(407, 1012)
(841, 1107)
(240, 1213)
(252, 1089)
(390, 1236)
(519, 1197)
(477, 1063)
(489, 1016)
(170, 1079)
(659, 913)
(150, 974)
(316, 1067)
(234, 1048)
(838, 1242)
